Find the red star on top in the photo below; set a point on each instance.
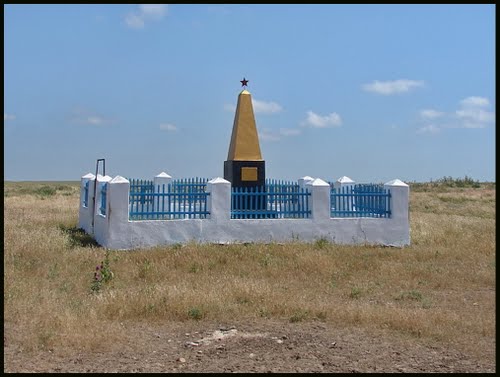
(244, 82)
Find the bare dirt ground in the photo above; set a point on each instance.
(261, 346)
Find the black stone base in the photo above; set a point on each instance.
(255, 178)
(232, 173)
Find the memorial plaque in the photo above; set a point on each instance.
(249, 174)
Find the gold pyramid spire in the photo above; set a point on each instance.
(244, 139)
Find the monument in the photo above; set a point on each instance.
(242, 207)
(244, 166)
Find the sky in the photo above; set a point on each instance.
(372, 92)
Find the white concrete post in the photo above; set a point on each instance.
(320, 199)
(347, 203)
(400, 200)
(160, 180)
(400, 215)
(85, 212)
(112, 229)
(101, 221)
(343, 182)
(100, 179)
(219, 200)
(304, 180)
(118, 197)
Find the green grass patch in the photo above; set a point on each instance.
(195, 313)
(410, 295)
(446, 183)
(355, 293)
(40, 189)
(299, 316)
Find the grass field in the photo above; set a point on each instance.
(441, 289)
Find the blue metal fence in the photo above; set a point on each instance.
(186, 198)
(361, 200)
(189, 185)
(142, 186)
(166, 204)
(181, 185)
(104, 189)
(275, 200)
(276, 185)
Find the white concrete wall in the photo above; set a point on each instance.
(85, 213)
(115, 231)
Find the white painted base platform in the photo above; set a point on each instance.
(115, 231)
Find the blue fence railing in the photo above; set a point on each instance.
(182, 185)
(189, 185)
(275, 200)
(102, 207)
(166, 204)
(186, 198)
(361, 200)
(142, 186)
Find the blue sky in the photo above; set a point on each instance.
(373, 92)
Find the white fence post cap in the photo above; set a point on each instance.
(396, 182)
(218, 180)
(163, 175)
(105, 178)
(89, 176)
(345, 179)
(119, 179)
(318, 182)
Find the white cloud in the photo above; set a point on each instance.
(472, 113)
(267, 134)
(258, 107)
(289, 131)
(266, 107)
(475, 118)
(392, 87)
(144, 13)
(134, 21)
(168, 127)
(84, 116)
(430, 114)
(95, 120)
(322, 121)
(7, 117)
(155, 11)
(475, 102)
(430, 129)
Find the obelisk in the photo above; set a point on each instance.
(244, 166)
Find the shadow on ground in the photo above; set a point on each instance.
(78, 237)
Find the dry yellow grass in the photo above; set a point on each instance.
(440, 289)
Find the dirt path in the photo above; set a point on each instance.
(264, 346)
